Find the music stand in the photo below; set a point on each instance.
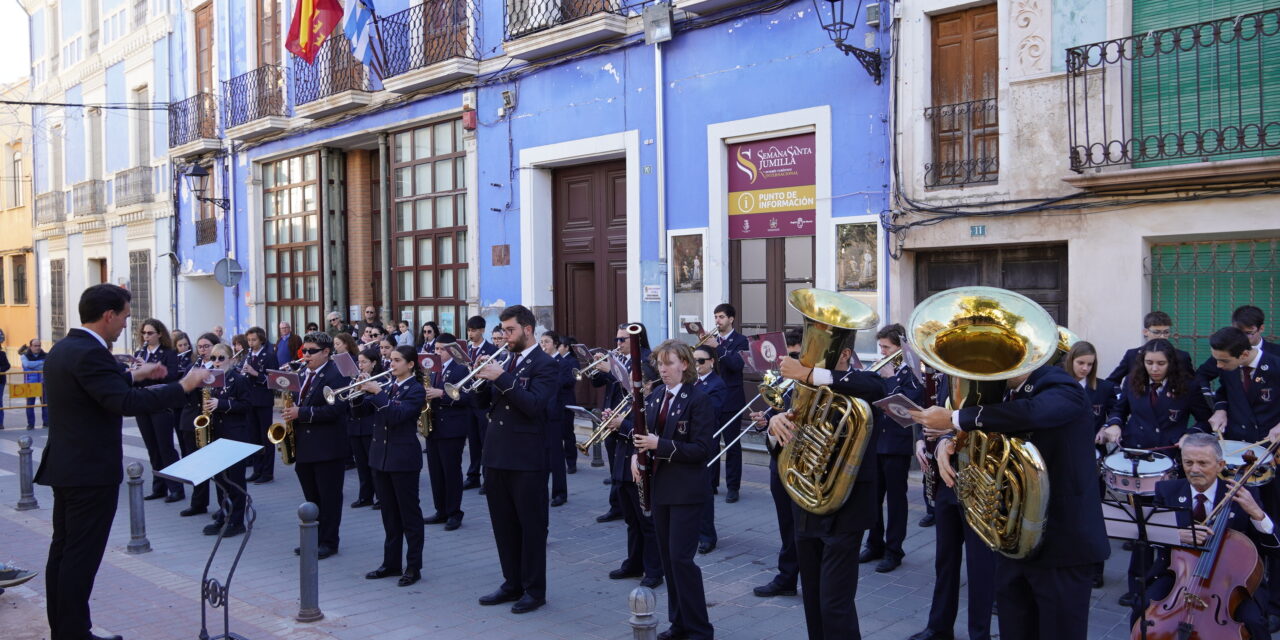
(211, 462)
(1127, 518)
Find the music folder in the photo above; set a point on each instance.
(1121, 520)
(209, 460)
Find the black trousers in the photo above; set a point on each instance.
(81, 523)
(611, 446)
(955, 541)
(322, 485)
(234, 475)
(732, 460)
(401, 518)
(829, 584)
(264, 463)
(707, 528)
(642, 539)
(157, 434)
(1043, 603)
(677, 531)
(788, 566)
(444, 467)
(475, 441)
(200, 492)
(360, 449)
(518, 508)
(558, 465)
(570, 441)
(892, 471)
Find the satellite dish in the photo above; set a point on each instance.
(228, 272)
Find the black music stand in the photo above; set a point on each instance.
(212, 462)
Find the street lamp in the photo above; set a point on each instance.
(198, 183)
(838, 28)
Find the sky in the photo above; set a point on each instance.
(15, 54)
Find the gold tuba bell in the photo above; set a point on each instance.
(980, 337)
(819, 464)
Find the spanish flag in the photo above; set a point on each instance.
(313, 21)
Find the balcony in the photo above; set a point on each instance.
(966, 144)
(428, 45)
(139, 13)
(193, 126)
(88, 198)
(133, 186)
(337, 82)
(540, 28)
(51, 208)
(1183, 106)
(254, 103)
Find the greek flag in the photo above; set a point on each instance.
(359, 29)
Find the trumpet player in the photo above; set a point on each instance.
(729, 345)
(157, 428)
(187, 425)
(321, 435)
(397, 466)
(450, 420)
(261, 357)
(229, 408)
(477, 347)
(362, 421)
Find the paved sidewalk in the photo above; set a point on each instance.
(155, 596)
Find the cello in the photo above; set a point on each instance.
(1209, 583)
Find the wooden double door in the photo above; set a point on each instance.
(1036, 271)
(589, 239)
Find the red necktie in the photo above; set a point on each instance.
(1246, 377)
(1155, 396)
(662, 414)
(306, 385)
(511, 363)
(1198, 512)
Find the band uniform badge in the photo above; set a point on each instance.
(1265, 394)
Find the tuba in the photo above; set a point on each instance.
(980, 337)
(819, 464)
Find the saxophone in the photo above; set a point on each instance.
(202, 421)
(424, 418)
(281, 434)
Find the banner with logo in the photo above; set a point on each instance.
(772, 190)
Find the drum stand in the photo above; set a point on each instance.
(1142, 546)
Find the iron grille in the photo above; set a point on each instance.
(525, 17)
(51, 207)
(206, 231)
(966, 143)
(19, 280)
(1193, 93)
(431, 32)
(58, 297)
(254, 95)
(133, 186)
(140, 287)
(335, 70)
(89, 198)
(139, 13)
(193, 119)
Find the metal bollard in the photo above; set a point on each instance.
(138, 542)
(596, 459)
(27, 499)
(309, 563)
(644, 619)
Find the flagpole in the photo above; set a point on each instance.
(378, 55)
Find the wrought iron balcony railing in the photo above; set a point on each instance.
(193, 119)
(139, 13)
(133, 186)
(335, 70)
(254, 95)
(525, 17)
(433, 31)
(1193, 93)
(966, 143)
(51, 207)
(89, 198)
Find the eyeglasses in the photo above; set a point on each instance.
(218, 358)
(153, 333)
(619, 340)
(312, 352)
(702, 360)
(1163, 333)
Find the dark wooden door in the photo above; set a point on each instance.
(204, 48)
(763, 272)
(1036, 271)
(965, 122)
(590, 244)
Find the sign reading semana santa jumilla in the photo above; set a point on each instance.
(771, 188)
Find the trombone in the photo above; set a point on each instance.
(618, 414)
(593, 367)
(353, 390)
(467, 385)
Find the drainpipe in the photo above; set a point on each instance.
(660, 150)
(384, 169)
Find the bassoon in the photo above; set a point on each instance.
(644, 461)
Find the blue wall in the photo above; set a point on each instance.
(72, 19)
(38, 32)
(1076, 22)
(117, 121)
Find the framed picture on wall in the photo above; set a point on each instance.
(856, 263)
(687, 262)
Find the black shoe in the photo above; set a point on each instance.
(193, 511)
(434, 519)
(471, 483)
(93, 636)
(608, 480)
(253, 477)
(482, 490)
(264, 479)
(930, 634)
(652, 583)
(324, 552)
(559, 501)
(361, 503)
(411, 576)
(706, 547)
(381, 572)
(377, 506)
(1098, 581)
(572, 468)
(232, 531)
(527, 603)
(889, 563)
(926, 521)
(176, 497)
(1128, 599)
(773, 589)
(732, 497)
(868, 554)
(610, 516)
(498, 597)
(453, 524)
(297, 551)
(672, 634)
(155, 495)
(622, 574)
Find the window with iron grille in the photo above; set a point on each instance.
(291, 237)
(3, 300)
(429, 235)
(58, 297)
(963, 120)
(140, 287)
(19, 280)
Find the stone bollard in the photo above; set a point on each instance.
(138, 542)
(644, 619)
(27, 498)
(309, 563)
(596, 459)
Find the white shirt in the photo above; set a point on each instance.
(1264, 525)
(1257, 358)
(704, 377)
(97, 337)
(673, 391)
(524, 354)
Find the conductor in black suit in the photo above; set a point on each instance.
(515, 461)
(89, 392)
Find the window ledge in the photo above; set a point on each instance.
(1181, 175)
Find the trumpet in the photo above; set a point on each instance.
(467, 385)
(702, 339)
(618, 414)
(353, 390)
(593, 367)
(295, 364)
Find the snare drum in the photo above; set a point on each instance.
(1233, 452)
(1118, 472)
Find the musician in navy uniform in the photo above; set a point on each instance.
(320, 432)
(515, 461)
(729, 346)
(614, 392)
(894, 447)
(186, 424)
(397, 465)
(680, 419)
(450, 420)
(228, 408)
(1251, 321)
(568, 396)
(550, 344)
(261, 358)
(1194, 497)
(1081, 361)
(1049, 409)
(157, 428)
(709, 382)
(477, 346)
(363, 419)
(1156, 324)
